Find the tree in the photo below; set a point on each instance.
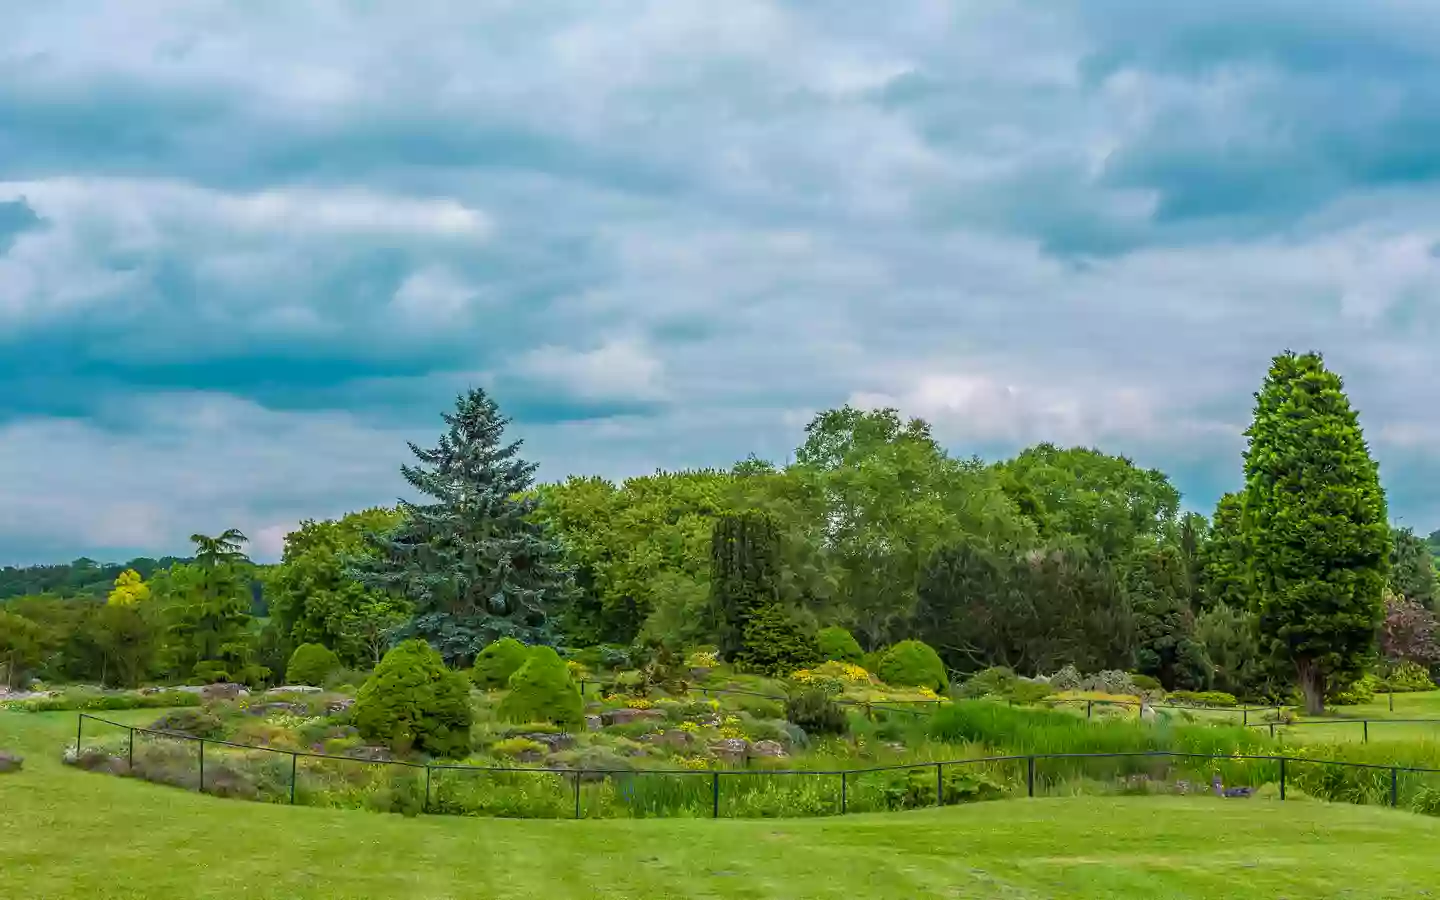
(22, 646)
(225, 548)
(127, 639)
(1232, 648)
(1314, 517)
(1158, 586)
(1412, 568)
(755, 630)
(1225, 558)
(129, 590)
(206, 604)
(313, 600)
(474, 564)
(1410, 633)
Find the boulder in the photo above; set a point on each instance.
(335, 707)
(594, 723)
(265, 709)
(554, 743)
(223, 691)
(293, 689)
(626, 716)
(731, 750)
(674, 739)
(772, 749)
(10, 762)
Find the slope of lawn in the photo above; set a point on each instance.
(65, 833)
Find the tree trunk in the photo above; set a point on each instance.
(1312, 685)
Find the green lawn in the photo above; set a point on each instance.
(1342, 724)
(65, 834)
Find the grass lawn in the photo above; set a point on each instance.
(1341, 724)
(66, 834)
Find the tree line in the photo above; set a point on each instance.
(1056, 556)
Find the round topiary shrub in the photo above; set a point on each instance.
(840, 645)
(542, 691)
(311, 664)
(913, 664)
(497, 662)
(414, 702)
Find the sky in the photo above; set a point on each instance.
(248, 250)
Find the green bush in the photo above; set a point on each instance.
(497, 662)
(86, 701)
(516, 747)
(542, 691)
(197, 723)
(775, 644)
(1147, 683)
(1201, 698)
(311, 664)
(1408, 676)
(996, 681)
(814, 711)
(838, 644)
(913, 664)
(1355, 693)
(414, 702)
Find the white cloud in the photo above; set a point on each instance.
(618, 369)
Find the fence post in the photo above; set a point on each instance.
(1089, 705)
(294, 766)
(577, 795)
(939, 784)
(1030, 776)
(202, 765)
(426, 807)
(1365, 723)
(1394, 787)
(715, 796)
(131, 760)
(1272, 730)
(79, 731)
(1244, 716)
(844, 785)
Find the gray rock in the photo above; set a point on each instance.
(335, 707)
(626, 716)
(594, 723)
(223, 691)
(293, 689)
(10, 762)
(265, 709)
(768, 748)
(675, 739)
(731, 750)
(554, 743)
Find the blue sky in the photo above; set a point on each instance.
(247, 250)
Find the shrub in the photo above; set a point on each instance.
(833, 677)
(1202, 698)
(542, 691)
(995, 681)
(1110, 681)
(497, 662)
(1147, 683)
(197, 723)
(775, 644)
(814, 711)
(1355, 693)
(1408, 676)
(838, 644)
(311, 664)
(913, 664)
(517, 747)
(414, 701)
(1067, 679)
(80, 700)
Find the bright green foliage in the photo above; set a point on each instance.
(312, 600)
(839, 644)
(913, 664)
(126, 638)
(1225, 558)
(1412, 568)
(1157, 583)
(22, 646)
(1104, 501)
(755, 630)
(497, 662)
(1202, 698)
(206, 607)
(129, 590)
(413, 702)
(1315, 519)
(542, 691)
(474, 563)
(311, 664)
(1232, 646)
(1407, 677)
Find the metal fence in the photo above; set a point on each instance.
(555, 792)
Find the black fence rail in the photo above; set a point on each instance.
(297, 777)
(1278, 727)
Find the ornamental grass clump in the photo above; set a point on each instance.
(413, 701)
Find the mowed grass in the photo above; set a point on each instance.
(65, 833)
(1343, 724)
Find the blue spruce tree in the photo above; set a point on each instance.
(473, 563)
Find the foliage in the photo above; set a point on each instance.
(311, 664)
(1224, 558)
(1159, 589)
(837, 643)
(474, 563)
(80, 578)
(126, 638)
(913, 664)
(129, 590)
(497, 662)
(542, 691)
(1353, 693)
(413, 701)
(1315, 516)
(756, 631)
(21, 646)
(78, 700)
(206, 609)
(199, 723)
(1410, 632)
(1202, 698)
(816, 712)
(1406, 677)
(313, 600)
(1232, 646)
(775, 644)
(1412, 568)
(834, 677)
(517, 747)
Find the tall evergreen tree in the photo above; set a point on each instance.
(474, 563)
(1225, 559)
(755, 629)
(1412, 568)
(1314, 517)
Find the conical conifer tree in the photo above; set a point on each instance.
(1314, 519)
(474, 564)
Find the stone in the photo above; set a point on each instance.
(223, 691)
(265, 709)
(554, 743)
(594, 723)
(674, 739)
(293, 689)
(10, 762)
(626, 716)
(772, 749)
(730, 750)
(1147, 713)
(335, 707)
(374, 754)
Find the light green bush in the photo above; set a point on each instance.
(542, 691)
(913, 664)
(311, 664)
(497, 662)
(836, 643)
(414, 701)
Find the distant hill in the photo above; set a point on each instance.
(80, 578)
